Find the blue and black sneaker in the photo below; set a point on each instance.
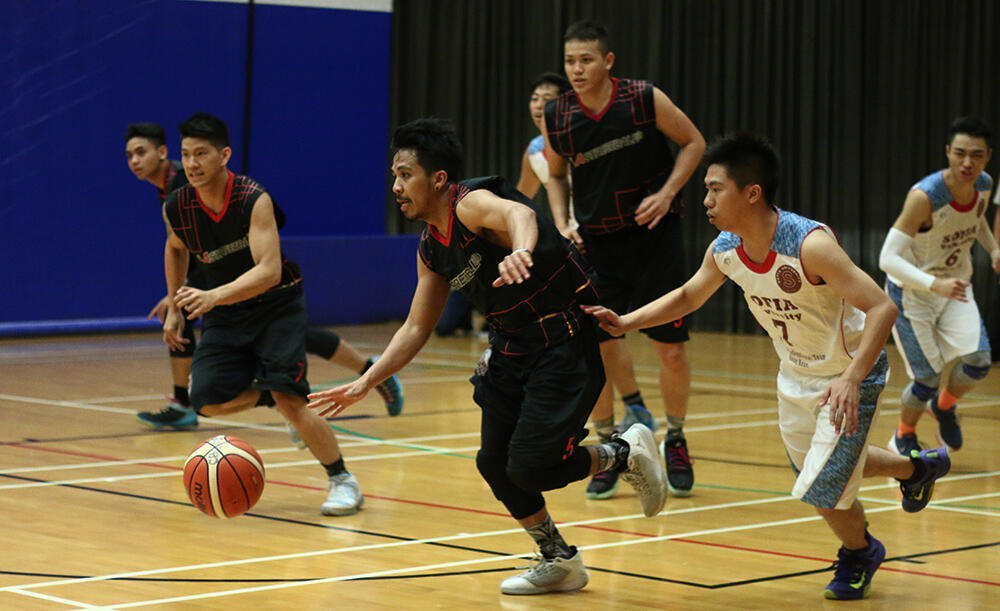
(637, 412)
(603, 485)
(392, 393)
(173, 416)
(917, 490)
(854, 569)
(949, 433)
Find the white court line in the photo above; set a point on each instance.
(466, 536)
(55, 599)
(428, 567)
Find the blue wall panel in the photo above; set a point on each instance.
(320, 117)
(82, 237)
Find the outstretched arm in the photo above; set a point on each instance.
(677, 303)
(823, 257)
(425, 309)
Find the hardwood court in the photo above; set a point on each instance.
(95, 515)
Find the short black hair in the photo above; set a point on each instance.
(206, 126)
(434, 142)
(589, 30)
(551, 78)
(153, 132)
(748, 159)
(973, 127)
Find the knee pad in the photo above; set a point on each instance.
(492, 468)
(975, 366)
(918, 392)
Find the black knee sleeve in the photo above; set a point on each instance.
(321, 342)
(537, 478)
(518, 501)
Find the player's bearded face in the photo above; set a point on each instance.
(412, 185)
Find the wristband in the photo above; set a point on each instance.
(516, 250)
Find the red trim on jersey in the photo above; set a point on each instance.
(600, 115)
(225, 200)
(759, 268)
(959, 207)
(431, 229)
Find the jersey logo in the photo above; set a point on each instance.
(466, 275)
(788, 279)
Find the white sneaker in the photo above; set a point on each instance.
(345, 496)
(297, 441)
(645, 472)
(549, 575)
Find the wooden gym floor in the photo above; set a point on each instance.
(95, 515)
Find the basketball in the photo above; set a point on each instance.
(224, 476)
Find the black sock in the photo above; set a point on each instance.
(181, 395)
(335, 468)
(368, 365)
(919, 471)
(549, 541)
(633, 399)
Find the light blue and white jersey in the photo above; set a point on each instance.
(536, 157)
(945, 250)
(814, 331)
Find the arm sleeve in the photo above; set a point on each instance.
(891, 261)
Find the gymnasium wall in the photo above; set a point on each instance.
(304, 91)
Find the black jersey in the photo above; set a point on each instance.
(174, 179)
(524, 318)
(617, 157)
(221, 242)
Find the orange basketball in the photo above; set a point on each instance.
(224, 476)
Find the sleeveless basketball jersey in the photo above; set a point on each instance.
(617, 157)
(174, 179)
(221, 242)
(813, 330)
(945, 250)
(541, 312)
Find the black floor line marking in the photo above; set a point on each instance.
(656, 578)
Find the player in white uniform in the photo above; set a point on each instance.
(828, 321)
(927, 258)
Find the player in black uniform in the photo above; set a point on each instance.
(614, 134)
(146, 150)
(538, 382)
(252, 347)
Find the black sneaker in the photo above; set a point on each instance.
(173, 416)
(916, 494)
(904, 444)
(854, 570)
(949, 433)
(603, 485)
(680, 475)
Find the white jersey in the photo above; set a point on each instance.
(945, 250)
(536, 157)
(814, 332)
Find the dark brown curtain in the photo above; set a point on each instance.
(857, 95)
